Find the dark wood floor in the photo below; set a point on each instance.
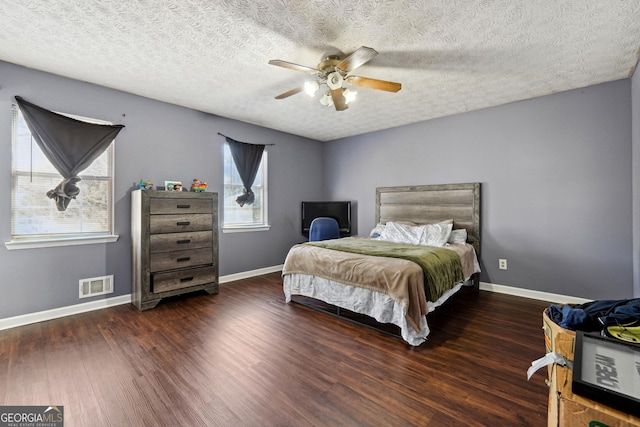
(246, 358)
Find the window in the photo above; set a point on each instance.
(248, 217)
(35, 220)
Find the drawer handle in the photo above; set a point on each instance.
(182, 242)
(186, 258)
(186, 279)
(183, 223)
(184, 206)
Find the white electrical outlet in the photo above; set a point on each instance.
(502, 264)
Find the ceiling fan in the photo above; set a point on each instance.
(334, 73)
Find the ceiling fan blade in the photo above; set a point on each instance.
(294, 67)
(374, 83)
(339, 100)
(357, 58)
(290, 92)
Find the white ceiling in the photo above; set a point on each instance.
(450, 56)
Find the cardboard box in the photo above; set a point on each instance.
(565, 408)
(558, 339)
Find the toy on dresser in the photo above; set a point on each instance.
(198, 187)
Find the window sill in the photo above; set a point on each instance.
(245, 228)
(50, 243)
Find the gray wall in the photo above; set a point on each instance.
(160, 142)
(558, 174)
(556, 184)
(635, 117)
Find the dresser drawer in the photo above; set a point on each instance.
(163, 261)
(180, 241)
(180, 206)
(179, 223)
(164, 282)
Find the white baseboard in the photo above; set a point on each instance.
(41, 316)
(528, 293)
(251, 273)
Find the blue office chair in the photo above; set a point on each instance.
(323, 228)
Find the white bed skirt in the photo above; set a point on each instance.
(363, 301)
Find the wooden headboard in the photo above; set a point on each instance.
(432, 203)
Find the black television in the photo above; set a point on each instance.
(340, 211)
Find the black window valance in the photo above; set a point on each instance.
(70, 145)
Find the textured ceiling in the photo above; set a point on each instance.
(450, 56)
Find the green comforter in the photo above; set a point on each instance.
(442, 267)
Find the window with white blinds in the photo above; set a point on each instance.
(34, 215)
(247, 217)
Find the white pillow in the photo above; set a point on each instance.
(435, 234)
(458, 236)
(402, 233)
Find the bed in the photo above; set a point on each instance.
(391, 282)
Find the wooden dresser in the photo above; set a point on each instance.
(174, 236)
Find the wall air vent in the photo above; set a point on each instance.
(96, 286)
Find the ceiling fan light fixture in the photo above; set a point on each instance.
(334, 72)
(326, 100)
(334, 80)
(311, 88)
(349, 95)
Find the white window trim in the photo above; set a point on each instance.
(33, 243)
(245, 228)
